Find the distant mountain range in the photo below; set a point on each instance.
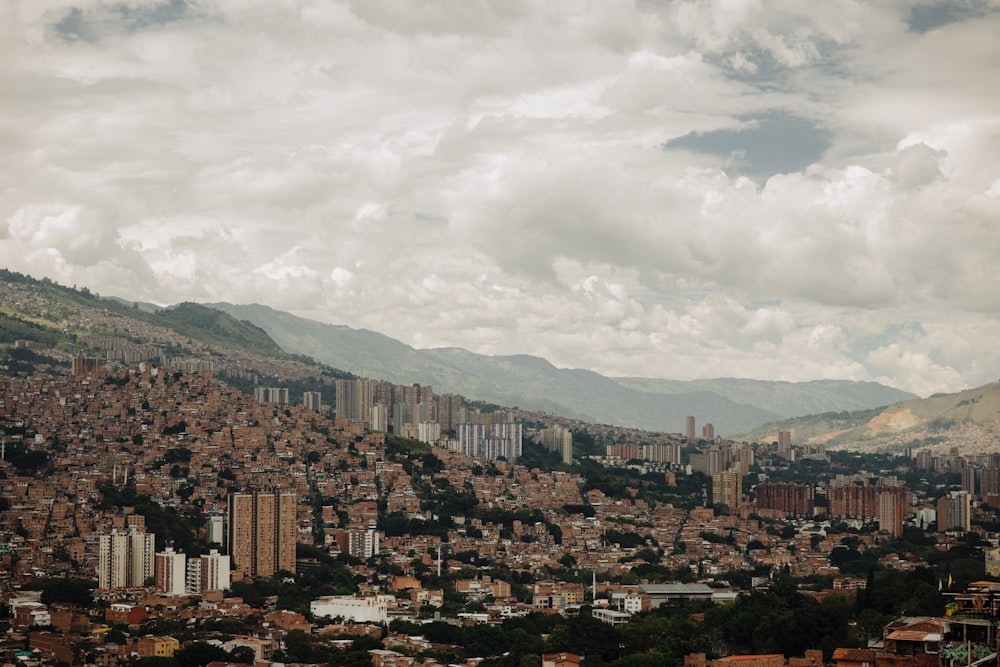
(969, 420)
(733, 406)
(51, 313)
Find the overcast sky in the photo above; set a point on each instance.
(689, 189)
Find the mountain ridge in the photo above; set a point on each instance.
(283, 347)
(531, 382)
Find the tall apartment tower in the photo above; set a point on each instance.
(125, 560)
(890, 513)
(727, 488)
(262, 532)
(690, 429)
(216, 529)
(171, 570)
(560, 440)
(709, 461)
(954, 512)
(785, 444)
(792, 498)
(708, 432)
(379, 420)
(271, 395)
(354, 399)
(313, 400)
(449, 411)
(490, 441)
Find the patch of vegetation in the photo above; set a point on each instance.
(206, 323)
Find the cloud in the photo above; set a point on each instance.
(492, 174)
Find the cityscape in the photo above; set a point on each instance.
(499, 333)
(152, 510)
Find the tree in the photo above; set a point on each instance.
(199, 654)
(73, 591)
(242, 654)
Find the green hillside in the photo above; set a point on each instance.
(211, 325)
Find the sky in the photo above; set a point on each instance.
(687, 189)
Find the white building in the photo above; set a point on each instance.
(429, 432)
(925, 517)
(192, 584)
(367, 609)
(379, 418)
(266, 395)
(490, 441)
(611, 616)
(171, 569)
(124, 559)
(216, 529)
(215, 568)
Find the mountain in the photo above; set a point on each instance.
(217, 327)
(47, 312)
(731, 405)
(968, 419)
(280, 345)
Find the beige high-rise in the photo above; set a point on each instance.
(262, 532)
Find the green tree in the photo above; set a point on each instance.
(199, 654)
(73, 591)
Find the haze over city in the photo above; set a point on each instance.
(668, 189)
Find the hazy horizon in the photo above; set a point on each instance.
(681, 190)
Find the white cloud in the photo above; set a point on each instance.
(492, 175)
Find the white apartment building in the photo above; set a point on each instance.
(367, 609)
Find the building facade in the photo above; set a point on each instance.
(262, 532)
(125, 560)
(490, 441)
(171, 570)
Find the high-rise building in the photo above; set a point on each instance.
(490, 441)
(428, 432)
(262, 532)
(208, 572)
(449, 411)
(313, 400)
(354, 398)
(690, 429)
(853, 499)
(741, 459)
(890, 513)
(793, 498)
(708, 432)
(785, 444)
(364, 543)
(379, 420)
(954, 512)
(560, 440)
(86, 365)
(192, 583)
(727, 488)
(170, 570)
(124, 560)
(216, 529)
(271, 395)
(925, 459)
(709, 461)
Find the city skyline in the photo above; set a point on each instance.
(680, 190)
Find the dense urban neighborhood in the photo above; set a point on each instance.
(170, 501)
